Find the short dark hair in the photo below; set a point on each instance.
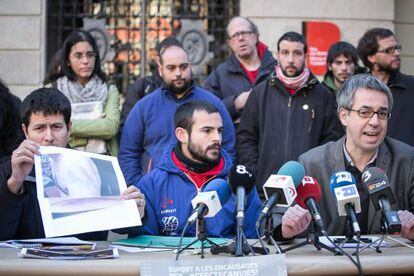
(183, 117)
(49, 101)
(368, 43)
(253, 27)
(341, 48)
(293, 37)
(73, 38)
(167, 43)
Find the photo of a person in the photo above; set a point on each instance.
(70, 175)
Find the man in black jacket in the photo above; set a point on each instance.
(45, 115)
(249, 64)
(380, 52)
(286, 115)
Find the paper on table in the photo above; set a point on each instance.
(135, 249)
(38, 243)
(324, 240)
(144, 241)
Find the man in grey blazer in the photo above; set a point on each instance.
(364, 107)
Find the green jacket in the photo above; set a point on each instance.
(104, 128)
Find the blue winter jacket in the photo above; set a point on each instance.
(169, 192)
(149, 129)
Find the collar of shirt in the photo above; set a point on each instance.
(348, 158)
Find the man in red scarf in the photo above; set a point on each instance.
(286, 115)
(249, 64)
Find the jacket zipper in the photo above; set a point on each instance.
(287, 126)
(198, 191)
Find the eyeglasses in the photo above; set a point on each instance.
(80, 56)
(369, 113)
(391, 50)
(242, 33)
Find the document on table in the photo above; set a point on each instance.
(65, 243)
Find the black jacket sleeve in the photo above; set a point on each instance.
(248, 134)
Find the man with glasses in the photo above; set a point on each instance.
(249, 64)
(380, 52)
(364, 109)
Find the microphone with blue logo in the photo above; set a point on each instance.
(344, 190)
(210, 201)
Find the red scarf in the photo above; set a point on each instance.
(199, 179)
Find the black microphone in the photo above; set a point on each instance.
(377, 185)
(241, 182)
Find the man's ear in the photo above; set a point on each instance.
(372, 59)
(24, 128)
(342, 114)
(182, 135)
(69, 125)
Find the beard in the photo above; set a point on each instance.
(297, 72)
(178, 90)
(388, 68)
(201, 155)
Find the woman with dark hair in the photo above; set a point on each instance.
(95, 104)
(11, 134)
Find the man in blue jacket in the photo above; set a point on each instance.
(149, 128)
(185, 170)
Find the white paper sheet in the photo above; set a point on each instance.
(80, 192)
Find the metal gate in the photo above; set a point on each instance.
(119, 25)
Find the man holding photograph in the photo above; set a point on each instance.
(45, 122)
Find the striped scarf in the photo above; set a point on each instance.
(295, 82)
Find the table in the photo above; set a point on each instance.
(304, 261)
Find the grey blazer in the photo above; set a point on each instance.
(394, 157)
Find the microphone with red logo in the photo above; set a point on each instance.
(309, 194)
(376, 184)
(280, 188)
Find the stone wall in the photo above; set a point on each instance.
(22, 44)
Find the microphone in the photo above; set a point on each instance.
(344, 189)
(241, 182)
(280, 189)
(377, 185)
(309, 193)
(210, 201)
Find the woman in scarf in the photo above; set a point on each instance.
(95, 104)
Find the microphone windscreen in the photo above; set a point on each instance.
(221, 187)
(340, 179)
(376, 183)
(293, 169)
(240, 175)
(308, 188)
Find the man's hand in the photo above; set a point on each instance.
(407, 223)
(241, 99)
(295, 221)
(22, 161)
(134, 193)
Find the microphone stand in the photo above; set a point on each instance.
(201, 237)
(313, 239)
(380, 240)
(239, 247)
(268, 237)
